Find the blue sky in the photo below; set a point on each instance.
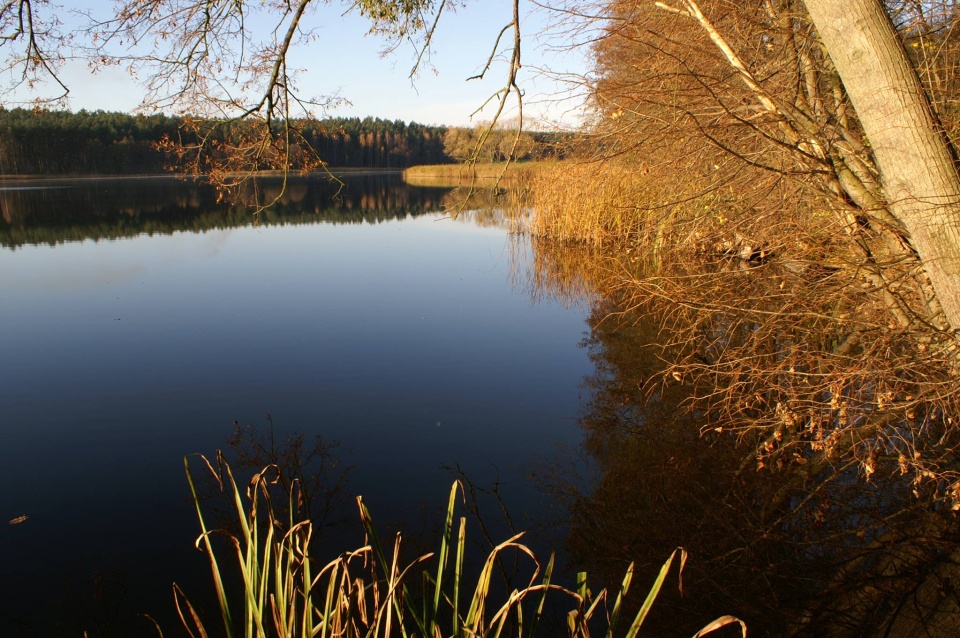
(346, 61)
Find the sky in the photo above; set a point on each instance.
(347, 62)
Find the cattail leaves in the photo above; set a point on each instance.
(655, 590)
(372, 592)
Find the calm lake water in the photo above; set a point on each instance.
(141, 320)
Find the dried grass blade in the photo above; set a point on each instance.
(178, 596)
(500, 618)
(593, 608)
(392, 587)
(205, 535)
(156, 625)
(458, 574)
(722, 621)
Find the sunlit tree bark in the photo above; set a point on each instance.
(919, 177)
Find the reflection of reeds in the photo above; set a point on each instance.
(569, 274)
(370, 591)
(512, 220)
(489, 207)
(479, 198)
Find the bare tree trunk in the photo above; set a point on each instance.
(920, 180)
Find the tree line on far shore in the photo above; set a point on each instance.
(46, 142)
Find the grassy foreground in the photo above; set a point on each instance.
(370, 591)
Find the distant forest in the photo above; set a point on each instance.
(41, 142)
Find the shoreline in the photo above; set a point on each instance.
(73, 177)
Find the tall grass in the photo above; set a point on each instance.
(624, 206)
(371, 591)
(589, 203)
(470, 174)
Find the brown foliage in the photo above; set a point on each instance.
(731, 175)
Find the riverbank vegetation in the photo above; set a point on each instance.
(792, 552)
(796, 306)
(765, 317)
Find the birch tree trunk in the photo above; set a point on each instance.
(919, 178)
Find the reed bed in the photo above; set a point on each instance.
(593, 204)
(642, 221)
(470, 174)
(371, 591)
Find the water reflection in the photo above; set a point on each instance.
(311, 468)
(75, 210)
(800, 550)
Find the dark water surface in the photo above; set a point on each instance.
(140, 319)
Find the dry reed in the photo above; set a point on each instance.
(470, 174)
(611, 204)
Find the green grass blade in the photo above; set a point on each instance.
(615, 615)
(307, 584)
(367, 521)
(444, 554)
(545, 583)
(214, 566)
(655, 590)
(475, 620)
(328, 601)
(458, 574)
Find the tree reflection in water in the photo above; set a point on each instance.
(65, 210)
(801, 549)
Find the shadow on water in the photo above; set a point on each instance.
(104, 602)
(794, 551)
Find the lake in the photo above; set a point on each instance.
(363, 336)
(143, 321)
